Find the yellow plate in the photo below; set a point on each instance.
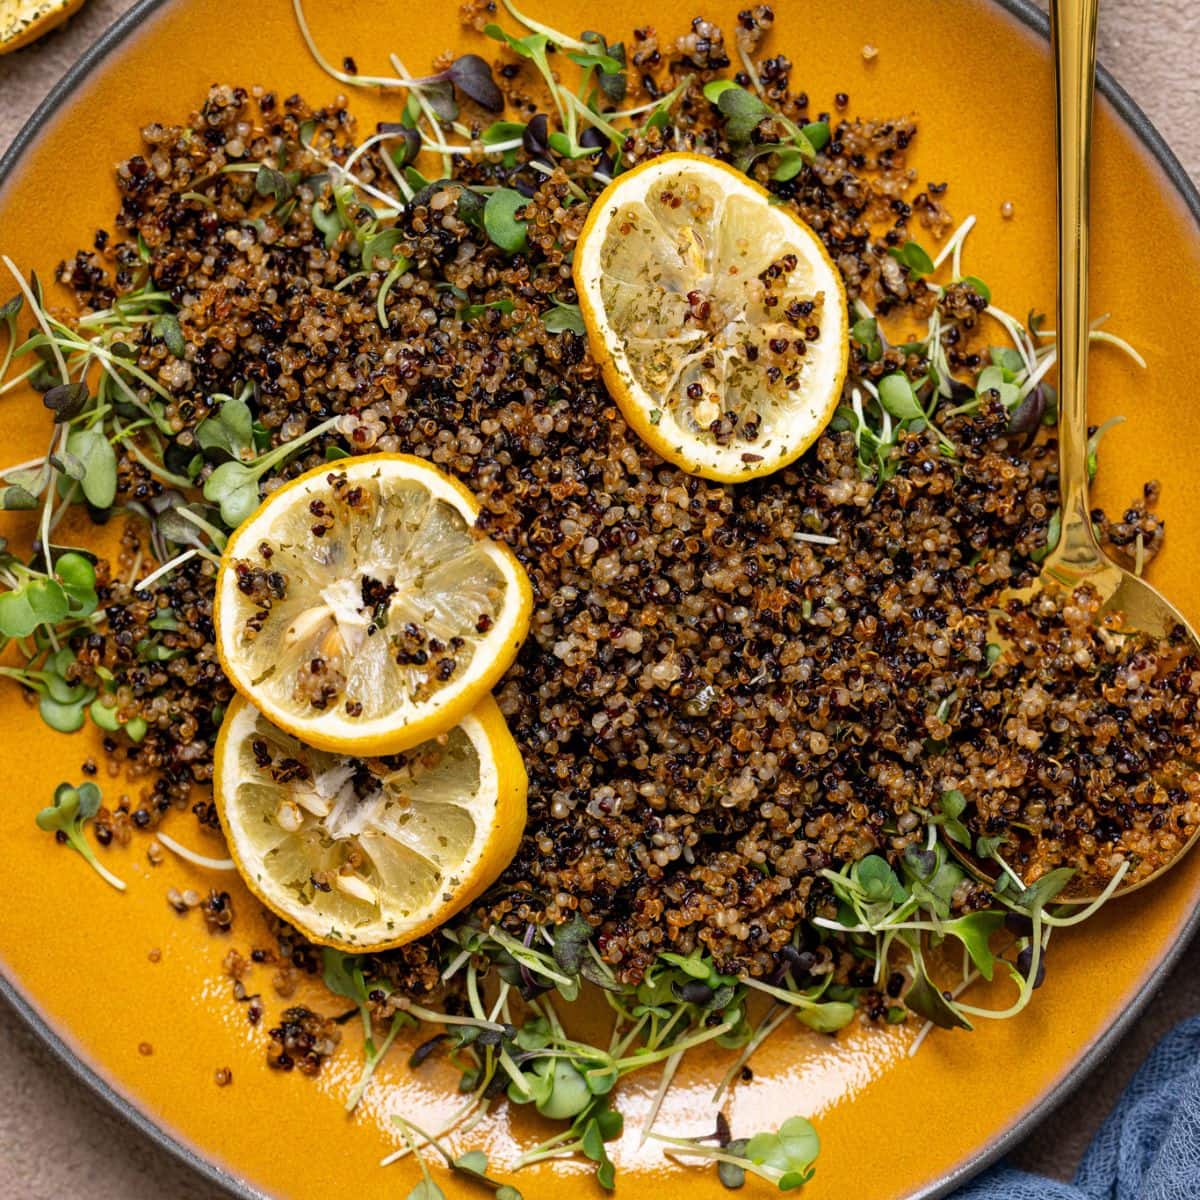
(980, 84)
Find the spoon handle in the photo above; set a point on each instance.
(1074, 34)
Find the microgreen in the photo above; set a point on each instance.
(1053, 533)
(950, 808)
(233, 486)
(34, 599)
(343, 976)
(500, 220)
(783, 1157)
(98, 465)
(866, 333)
(167, 329)
(66, 817)
(563, 318)
(229, 431)
(66, 400)
(470, 311)
(1093, 445)
(744, 112)
(899, 398)
(914, 258)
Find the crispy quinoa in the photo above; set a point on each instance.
(711, 708)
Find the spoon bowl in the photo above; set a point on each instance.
(1077, 560)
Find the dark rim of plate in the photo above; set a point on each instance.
(1149, 136)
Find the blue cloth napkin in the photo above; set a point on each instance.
(1148, 1149)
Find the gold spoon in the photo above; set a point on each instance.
(1078, 559)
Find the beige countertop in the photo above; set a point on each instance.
(56, 1139)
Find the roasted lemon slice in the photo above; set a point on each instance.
(716, 315)
(360, 610)
(368, 853)
(24, 21)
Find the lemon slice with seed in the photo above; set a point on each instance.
(368, 853)
(716, 315)
(360, 609)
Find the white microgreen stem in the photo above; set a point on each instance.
(166, 569)
(782, 994)
(451, 1124)
(1008, 870)
(375, 139)
(953, 247)
(1102, 335)
(1016, 331)
(620, 1046)
(39, 315)
(592, 118)
(543, 1149)
(396, 271)
(155, 469)
(336, 170)
(16, 380)
(1025, 988)
(523, 954)
(373, 1059)
(501, 1004)
(397, 177)
(666, 101)
(427, 109)
(1044, 367)
(79, 842)
(326, 66)
(559, 39)
(261, 465)
(711, 1152)
(1091, 909)
(438, 1018)
(660, 1094)
(198, 860)
(634, 1061)
(770, 1023)
(749, 67)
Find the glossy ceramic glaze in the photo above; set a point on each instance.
(892, 1126)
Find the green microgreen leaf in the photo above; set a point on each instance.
(167, 328)
(270, 182)
(866, 333)
(72, 808)
(980, 288)
(230, 429)
(471, 311)
(974, 930)
(897, 396)
(1053, 533)
(926, 1001)
(743, 112)
(914, 258)
(500, 220)
(15, 498)
(564, 318)
(382, 246)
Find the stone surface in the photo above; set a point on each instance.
(56, 1139)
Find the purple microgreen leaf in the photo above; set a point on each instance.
(473, 77)
(536, 138)
(407, 144)
(66, 400)
(1026, 418)
(439, 95)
